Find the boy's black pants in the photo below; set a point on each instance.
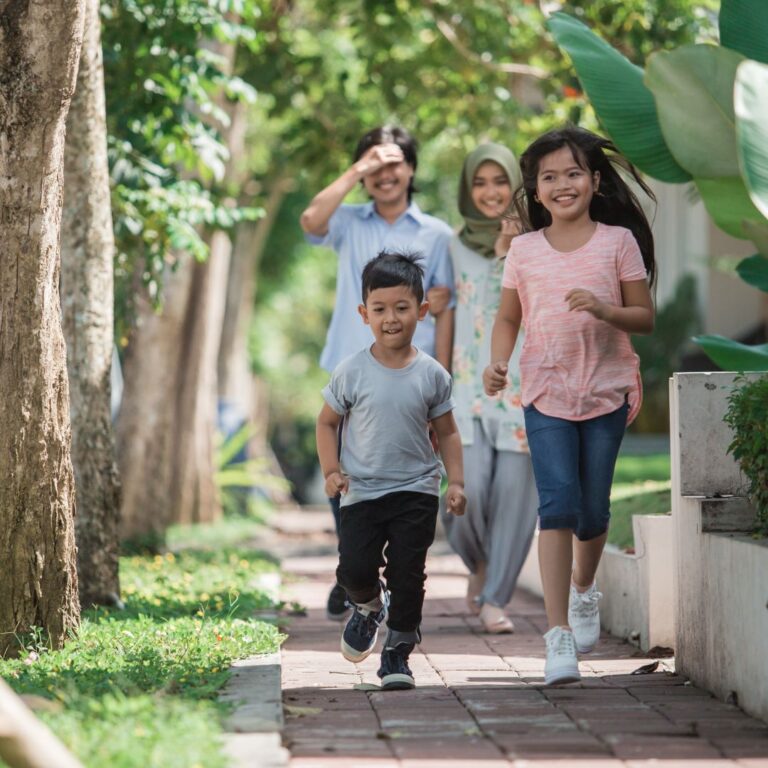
(395, 530)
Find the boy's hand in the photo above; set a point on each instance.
(495, 378)
(455, 499)
(438, 297)
(336, 484)
(377, 157)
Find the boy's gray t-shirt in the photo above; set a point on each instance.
(385, 444)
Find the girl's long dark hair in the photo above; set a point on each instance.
(615, 203)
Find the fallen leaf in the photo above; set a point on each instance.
(366, 687)
(646, 669)
(293, 711)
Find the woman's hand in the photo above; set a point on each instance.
(581, 300)
(510, 226)
(495, 378)
(438, 297)
(336, 484)
(456, 501)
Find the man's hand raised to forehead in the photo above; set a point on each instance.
(377, 157)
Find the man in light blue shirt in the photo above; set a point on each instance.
(385, 161)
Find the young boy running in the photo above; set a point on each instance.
(388, 474)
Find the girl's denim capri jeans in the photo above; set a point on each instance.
(573, 462)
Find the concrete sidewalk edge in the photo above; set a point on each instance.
(253, 737)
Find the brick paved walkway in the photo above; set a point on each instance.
(480, 700)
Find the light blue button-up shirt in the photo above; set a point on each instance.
(357, 233)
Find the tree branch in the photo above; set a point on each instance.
(510, 68)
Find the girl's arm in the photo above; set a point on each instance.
(503, 338)
(450, 450)
(635, 316)
(327, 436)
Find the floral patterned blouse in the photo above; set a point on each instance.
(478, 290)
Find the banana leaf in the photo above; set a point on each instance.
(728, 203)
(625, 106)
(757, 232)
(693, 87)
(744, 27)
(732, 355)
(750, 99)
(754, 270)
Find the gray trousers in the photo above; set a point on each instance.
(498, 525)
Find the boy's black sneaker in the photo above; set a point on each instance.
(394, 672)
(362, 629)
(337, 608)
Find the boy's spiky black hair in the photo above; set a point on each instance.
(391, 268)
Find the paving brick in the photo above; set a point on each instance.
(451, 763)
(682, 763)
(477, 749)
(635, 747)
(337, 761)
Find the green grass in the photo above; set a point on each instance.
(641, 486)
(136, 688)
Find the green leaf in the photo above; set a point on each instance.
(728, 203)
(623, 103)
(757, 232)
(733, 356)
(750, 98)
(693, 86)
(744, 27)
(754, 270)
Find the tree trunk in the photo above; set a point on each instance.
(145, 424)
(235, 380)
(38, 60)
(167, 420)
(87, 251)
(241, 391)
(193, 492)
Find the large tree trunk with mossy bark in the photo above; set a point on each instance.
(87, 251)
(39, 48)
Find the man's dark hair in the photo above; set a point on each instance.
(389, 269)
(391, 134)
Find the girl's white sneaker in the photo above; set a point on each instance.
(584, 617)
(561, 665)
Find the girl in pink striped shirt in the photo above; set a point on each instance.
(579, 280)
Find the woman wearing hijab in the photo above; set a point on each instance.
(495, 534)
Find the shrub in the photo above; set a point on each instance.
(747, 415)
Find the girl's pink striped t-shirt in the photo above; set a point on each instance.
(574, 366)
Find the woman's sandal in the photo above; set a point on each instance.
(495, 621)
